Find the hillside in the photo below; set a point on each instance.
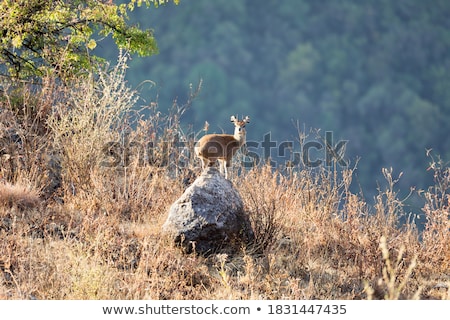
(85, 186)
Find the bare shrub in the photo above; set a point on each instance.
(262, 201)
(91, 114)
(24, 136)
(436, 236)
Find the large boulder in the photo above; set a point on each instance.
(209, 216)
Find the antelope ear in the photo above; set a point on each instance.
(233, 119)
(246, 119)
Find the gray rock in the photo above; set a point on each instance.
(209, 216)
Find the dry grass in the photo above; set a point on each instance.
(96, 233)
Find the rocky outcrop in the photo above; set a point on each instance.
(209, 216)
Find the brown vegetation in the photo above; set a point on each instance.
(77, 224)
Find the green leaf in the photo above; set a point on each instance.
(91, 44)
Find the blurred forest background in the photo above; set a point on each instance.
(375, 73)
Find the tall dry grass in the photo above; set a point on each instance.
(87, 182)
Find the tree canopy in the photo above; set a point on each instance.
(40, 36)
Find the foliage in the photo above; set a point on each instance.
(39, 36)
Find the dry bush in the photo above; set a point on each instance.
(90, 115)
(436, 237)
(435, 248)
(263, 196)
(25, 146)
(328, 243)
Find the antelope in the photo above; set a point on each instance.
(221, 147)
